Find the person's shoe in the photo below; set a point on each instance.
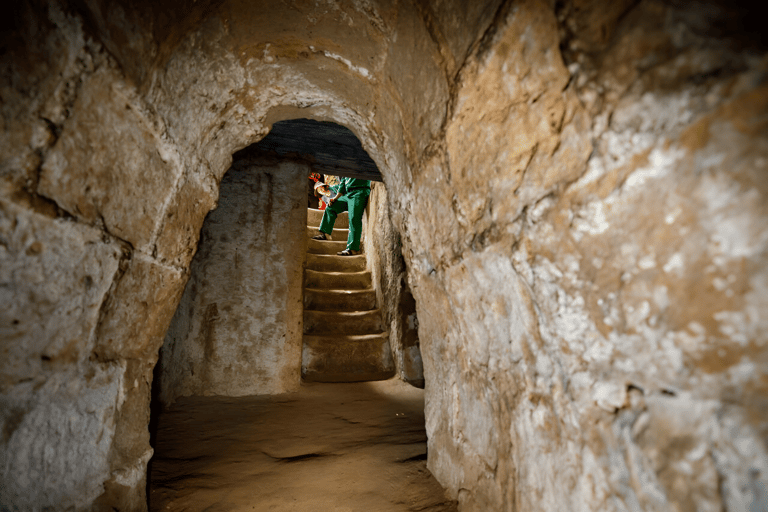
(321, 236)
(348, 252)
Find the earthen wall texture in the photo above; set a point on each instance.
(579, 188)
(590, 272)
(383, 250)
(238, 328)
(85, 298)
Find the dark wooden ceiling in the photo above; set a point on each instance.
(328, 147)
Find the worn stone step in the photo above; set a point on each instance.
(339, 300)
(314, 217)
(334, 263)
(346, 358)
(343, 322)
(327, 246)
(338, 235)
(337, 280)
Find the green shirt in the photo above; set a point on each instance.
(348, 184)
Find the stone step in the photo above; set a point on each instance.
(339, 300)
(337, 280)
(343, 340)
(326, 246)
(314, 217)
(343, 322)
(346, 358)
(338, 235)
(333, 263)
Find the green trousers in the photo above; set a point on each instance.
(353, 201)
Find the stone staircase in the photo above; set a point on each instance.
(344, 338)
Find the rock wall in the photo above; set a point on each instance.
(383, 250)
(238, 328)
(85, 299)
(119, 120)
(590, 268)
(579, 188)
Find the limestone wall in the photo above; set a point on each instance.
(579, 188)
(383, 250)
(118, 123)
(84, 301)
(238, 328)
(589, 257)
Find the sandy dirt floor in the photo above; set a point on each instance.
(330, 447)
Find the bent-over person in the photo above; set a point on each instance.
(352, 195)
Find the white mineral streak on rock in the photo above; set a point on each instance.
(647, 262)
(671, 216)
(357, 69)
(609, 396)
(266, 56)
(592, 219)
(675, 263)
(735, 232)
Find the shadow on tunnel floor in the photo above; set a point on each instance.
(359, 446)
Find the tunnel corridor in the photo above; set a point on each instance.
(222, 439)
(570, 253)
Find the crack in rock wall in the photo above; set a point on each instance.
(579, 188)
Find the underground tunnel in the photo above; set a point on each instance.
(577, 190)
(235, 334)
(238, 327)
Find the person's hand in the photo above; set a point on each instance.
(331, 201)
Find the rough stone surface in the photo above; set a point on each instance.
(57, 425)
(47, 263)
(178, 236)
(147, 290)
(57, 437)
(588, 316)
(579, 188)
(46, 59)
(385, 261)
(238, 328)
(86, 183)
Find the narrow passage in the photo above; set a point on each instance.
(358, 447)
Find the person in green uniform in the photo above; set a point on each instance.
(352, 195)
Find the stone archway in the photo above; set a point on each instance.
(136, 209)
(579, 192)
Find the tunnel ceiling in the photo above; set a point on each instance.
(329, 147)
